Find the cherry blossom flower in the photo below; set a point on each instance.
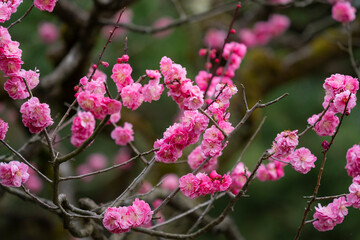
(123, 135)
(13, 174)
(36, 115)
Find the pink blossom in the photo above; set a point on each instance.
(301, 160)
(220, 183)
(235, 48)
(211, 148)
(5, 12)
(239, 176)
(121, 75)
(273, 171)
(142, 214)
(189, 185)
(7, 8)
(167, 153)
(331, 215)
(13, 174)
(285, 143)
(354, 196)
(353, 161)
(132, 96)
(123, 135)
(343, 12)
(338, 83)
(327, 125)
(213, 134)
(215, 38)
(152, 91)
(194, 121)
(206, 185)
(10, 66)
(48, 32)
(113, 220)
(45, 5)
(170, 182)
(165, 66)
(82, 128)
(202, 80)
(114, 118)
(4, 126)
(196, 157)
(341, 99)
(11, 49)
(97, 161)
(177, 135)
(31, 77)
(36, 115)
(16, 88)
(88, 101)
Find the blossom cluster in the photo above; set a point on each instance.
(13, 174)
(239, 176)
(233, 53)
(4, 126)
(218, 107)
(10, 64)
(133, 93)
(45, 5)
(82, 127)
(338, 89)
(197, 157)
(179, 136)
(354, 193)
(353, 161)
(283, 149)
(264, 31)
(90, 96)
(181, 89)
(201, 184)
(331, 215)
(122, 219)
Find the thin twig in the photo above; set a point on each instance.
(22, 17)
(350, 50)
(327, 197)
(207, 209)
(249, 142)
(26, 161)
(107, 169)
(316, 189)
(190, 19)
(214, 122)
(177, 217)
(53, 135)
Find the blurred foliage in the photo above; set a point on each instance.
(296, 63)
